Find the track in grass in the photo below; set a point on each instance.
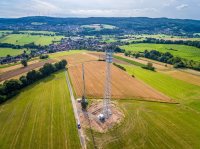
(40, 117)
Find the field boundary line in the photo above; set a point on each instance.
(80, 132)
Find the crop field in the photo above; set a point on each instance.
(65, 53)
(21, 39)
(21, 70)
(156, 125)
(168, 69)
(187, 52)
(9, 51)
(41, 116)
(123, 85)
(185, 76)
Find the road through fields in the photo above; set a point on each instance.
(80, 132)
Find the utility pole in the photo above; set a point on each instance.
(106, 112)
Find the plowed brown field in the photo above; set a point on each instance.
(123, 85)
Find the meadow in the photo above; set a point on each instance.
(41, 116)
(9, 51)
(183, 51)
(22, 39)
(39, 32)
(151, 125)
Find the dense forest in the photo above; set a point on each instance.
(132, 24)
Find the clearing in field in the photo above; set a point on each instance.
(123, 85)
(40, 117)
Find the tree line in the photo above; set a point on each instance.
(12, 87)
(162, 41)
(27, 46)
(167, 58)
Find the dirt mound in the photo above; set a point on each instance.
(90, 119)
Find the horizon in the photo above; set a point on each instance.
(77, 17)
(175, 9)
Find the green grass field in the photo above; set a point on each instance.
(129, 61)
(187, 52)
(8, 51)
(41, 116)
(177, 89)
(150, 125)
(4, 32)
(39, 32)
(165, 37)
(21, 39)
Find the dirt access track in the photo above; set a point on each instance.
(22, 70)
(123, 85)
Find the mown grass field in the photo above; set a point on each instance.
(151, 125)
(156, 125)
(21, 39)
(187, 52)
(39, 32)
(166, 37)
(41, 116)
(9, 51)
(177, 89)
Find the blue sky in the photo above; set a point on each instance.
(184, 9)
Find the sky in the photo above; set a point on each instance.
(183, 9)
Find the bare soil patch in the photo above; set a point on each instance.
(123, 85)
(19, 71)
(90, 119)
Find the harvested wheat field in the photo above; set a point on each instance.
(185, 76)
(78, 58)
(123, 85)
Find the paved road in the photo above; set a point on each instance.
(80, 131)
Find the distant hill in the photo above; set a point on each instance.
(133, 24)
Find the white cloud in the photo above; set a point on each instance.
(42, 6)
(92, 8)
(182, 6)
(112, 12)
